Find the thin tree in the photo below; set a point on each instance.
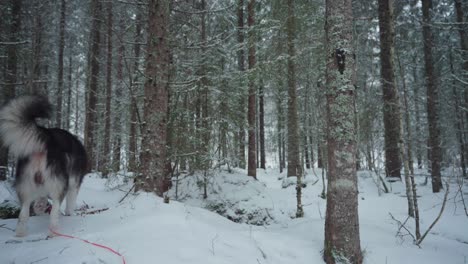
(252, 163)
(92, 87)
(432, 97)
(132, 138)
(241, 67)
(105, 166)
(153, 155)
(61, 45)
(342, 241)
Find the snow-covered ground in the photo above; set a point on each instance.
(144, 229)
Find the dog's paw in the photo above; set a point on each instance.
(21, 231)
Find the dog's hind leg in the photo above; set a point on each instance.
(72, 193)
(21, 227)
(54, 215)
(57, 198)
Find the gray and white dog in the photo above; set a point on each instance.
(51, 162)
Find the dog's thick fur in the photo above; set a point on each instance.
(51, 161)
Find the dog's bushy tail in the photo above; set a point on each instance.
(18, 129)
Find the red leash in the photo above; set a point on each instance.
(92, 243)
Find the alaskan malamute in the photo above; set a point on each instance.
(51, 162)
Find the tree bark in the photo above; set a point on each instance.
(294, 168)
(252, 163)
(461, 20)
(342, 241)
(153, 156)
(241, 68)
(132, 139)
(61, 45)
(92, 89)
(432, 98)
(391, 107)
(106, 166)
(262, 125)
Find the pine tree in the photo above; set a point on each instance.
(153, 154)
(252, 162)
(92, 85)
(342, 242)
(391, 107)
(432, 98)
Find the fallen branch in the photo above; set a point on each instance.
(402, 225)
(129, 191)
(94, 211)
(420, 240)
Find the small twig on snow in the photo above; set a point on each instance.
(39, 260)
(3, 226)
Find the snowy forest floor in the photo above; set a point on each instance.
(146, 230)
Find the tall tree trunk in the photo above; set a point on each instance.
(118, 107)
(461, 20)
(252, 163)
(153, 156)
(105, 165)
(60, 64)
(407, 111)
(294, 168)
(459, 118)
(261, 116)
(69, 92)
(11, 72)
(280, 134)
(342, 239)
(241, 67)
(132, 139)
(36, 87)
(432, 98)
(92, 89)
(205, 93)
(391, 106)
(417, 113)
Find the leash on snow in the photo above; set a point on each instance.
(91, 243)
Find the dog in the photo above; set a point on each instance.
(51, 162)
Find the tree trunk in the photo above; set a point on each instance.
(241, 67)
(69, 92)
(294, 168)
(132, 139)
(432, 98)
(36, 86)
(391, 107)
(252, 163)
(342, 241)
(461, 20)
(204, 94)
(59, 102)
(118, 107)
(417, 113)
(262, 125)
(459, 119)
(92, 89)
(153, 156)
(105, 166)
